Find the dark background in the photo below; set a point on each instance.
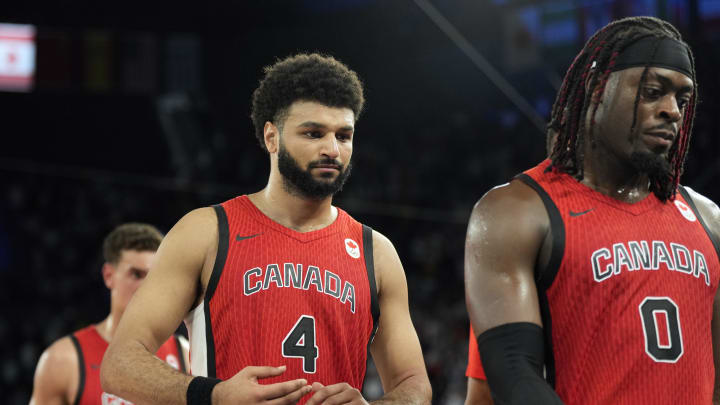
(141, 113)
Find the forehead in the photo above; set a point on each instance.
(666, 76)
(311, 111)
(136, 258)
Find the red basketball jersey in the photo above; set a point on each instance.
(627, 297)
(90, 347)
(277, 296)
(474, 367)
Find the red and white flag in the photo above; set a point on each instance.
(17, 57)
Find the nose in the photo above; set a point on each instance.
(330, 146)
(669, 109)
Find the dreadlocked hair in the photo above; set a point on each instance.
(596, 60)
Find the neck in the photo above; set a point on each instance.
(614, 176)
(291, 210)
(106, 328)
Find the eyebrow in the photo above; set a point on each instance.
(317, 125)
(138, 269)
(666, 81)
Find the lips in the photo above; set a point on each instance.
(662, 139)
(667, 135)
(335, 167)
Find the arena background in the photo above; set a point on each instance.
(142, 114)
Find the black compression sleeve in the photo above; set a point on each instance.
(513, 356)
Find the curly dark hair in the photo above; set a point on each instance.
(567, 119)
(130, 236)
(309, 77)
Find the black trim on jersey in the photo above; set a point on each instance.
(713, 238)
(544, 277)
(370, 266)
(374, 304)
(183, 366)
(222, 251)
(81, 362)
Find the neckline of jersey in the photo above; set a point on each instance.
(648, 203)
(304, 237)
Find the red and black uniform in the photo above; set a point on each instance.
(474, 367)
(91, 347)
(627, 297)
(277, 296)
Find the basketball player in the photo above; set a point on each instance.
(283, 292)
(597, 264)
(69, 370)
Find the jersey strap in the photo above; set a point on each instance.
(81, 363)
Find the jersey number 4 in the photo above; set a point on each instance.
(661, 326)
(300, 343)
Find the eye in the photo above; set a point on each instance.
(313, 134)
(651, 92)
(683, 102)
(343, 137)
(138, 274)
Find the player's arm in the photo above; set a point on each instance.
(130, 369)
(478, 392)
(56, 375)
(505, 237)
(711, 216)
(396, 349)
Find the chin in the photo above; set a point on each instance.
(651, 162)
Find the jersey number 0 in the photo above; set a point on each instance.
(300, 343)
(670, 348)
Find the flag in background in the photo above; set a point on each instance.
(17, 57)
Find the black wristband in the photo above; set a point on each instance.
(199, 391)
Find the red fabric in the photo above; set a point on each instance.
(256, 305)
(613, 269)
(474, 368)
(93, 348)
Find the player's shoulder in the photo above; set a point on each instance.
(514, 199)
(708, 210)
(205, 217)
(57, 372)
(60, 357)
(198, 224)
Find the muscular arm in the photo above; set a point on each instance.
(478, 392)
(711, 215)
(396, 349)
(56, 375)
(129, 368)
(505, 237)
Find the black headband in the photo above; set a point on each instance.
(670, 54)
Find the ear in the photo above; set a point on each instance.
(107, 272)
(271, 133)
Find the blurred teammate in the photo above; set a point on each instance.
(278, 277)
(68, 372)
(597, 264)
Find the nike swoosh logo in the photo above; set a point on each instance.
(577, 214)
(239, 238)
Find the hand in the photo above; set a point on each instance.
(243, 388)
(341, 393)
